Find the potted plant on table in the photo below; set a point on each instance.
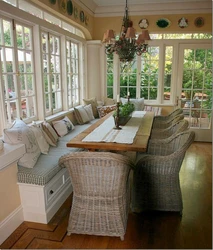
(124, 113)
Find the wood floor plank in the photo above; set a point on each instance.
(14, 237)
(45, 244)
(74, 241)
(147, 230)
(40, 226)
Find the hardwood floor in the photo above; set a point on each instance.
(156, 230)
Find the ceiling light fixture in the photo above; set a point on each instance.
(127, 45)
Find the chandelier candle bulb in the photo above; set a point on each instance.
(118, 98)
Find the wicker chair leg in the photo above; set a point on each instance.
(122, 237)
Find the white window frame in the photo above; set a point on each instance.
(52, 76)
(175, 43)
(14, 101)
(73, 74)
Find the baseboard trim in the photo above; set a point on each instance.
(10, 223)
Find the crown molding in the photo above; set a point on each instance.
(156, 9)
(102, 3)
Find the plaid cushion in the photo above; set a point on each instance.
(156, 110)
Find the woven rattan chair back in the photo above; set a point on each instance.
(168, 117)
(156, 184)
(172, 145)
(157, 124)
(175, 128)
(100, 192)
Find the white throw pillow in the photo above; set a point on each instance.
(49, 133)
(88, 109)
(81, 115)
(138, 103)
(63, 127)
(40, 138)
(93, 102)
(109, 101)
(20, 133)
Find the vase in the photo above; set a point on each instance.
(123, 119)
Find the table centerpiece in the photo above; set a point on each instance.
(123, 113)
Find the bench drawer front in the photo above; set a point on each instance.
(56, 185)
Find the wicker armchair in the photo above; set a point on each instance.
(101, 193)
(167, 123)
(170, 116)
(156, 183)
(175, 128)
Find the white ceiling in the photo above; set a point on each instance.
(101, 8)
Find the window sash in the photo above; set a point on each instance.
(17, 71)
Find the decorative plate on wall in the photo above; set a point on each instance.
(82, 16)
(163, 23)
(199, 22)
(86, 20)
(62, 5)
(52, 1)
(182, 22)
(69, 7)
(75, 12)
(143, 23)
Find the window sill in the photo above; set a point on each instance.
(10, 154)
(57, 115)
(150, 103)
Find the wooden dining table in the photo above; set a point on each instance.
(139, 144)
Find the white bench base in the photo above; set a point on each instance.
(40, 203)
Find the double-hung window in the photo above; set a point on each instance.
(17, 71)
(51, 72)
(73, 87)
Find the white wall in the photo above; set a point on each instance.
(95, 70)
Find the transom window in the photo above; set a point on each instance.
(25, 5)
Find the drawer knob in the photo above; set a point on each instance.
(51, 192)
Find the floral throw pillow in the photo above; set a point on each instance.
(104, 110)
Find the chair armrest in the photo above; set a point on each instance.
(156, 164)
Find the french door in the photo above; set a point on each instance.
(194, 88)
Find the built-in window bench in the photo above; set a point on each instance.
(45, 187)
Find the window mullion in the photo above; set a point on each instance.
(138, 76)
(161, 73)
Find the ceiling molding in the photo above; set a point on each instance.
(107, 8)
(156, 9)
(102, 3)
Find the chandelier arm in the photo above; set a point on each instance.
(126, 47)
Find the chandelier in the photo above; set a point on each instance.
(127, 45)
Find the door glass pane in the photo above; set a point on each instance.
(196, 98)
(128, 77)
(168, 72)
(149, 74)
